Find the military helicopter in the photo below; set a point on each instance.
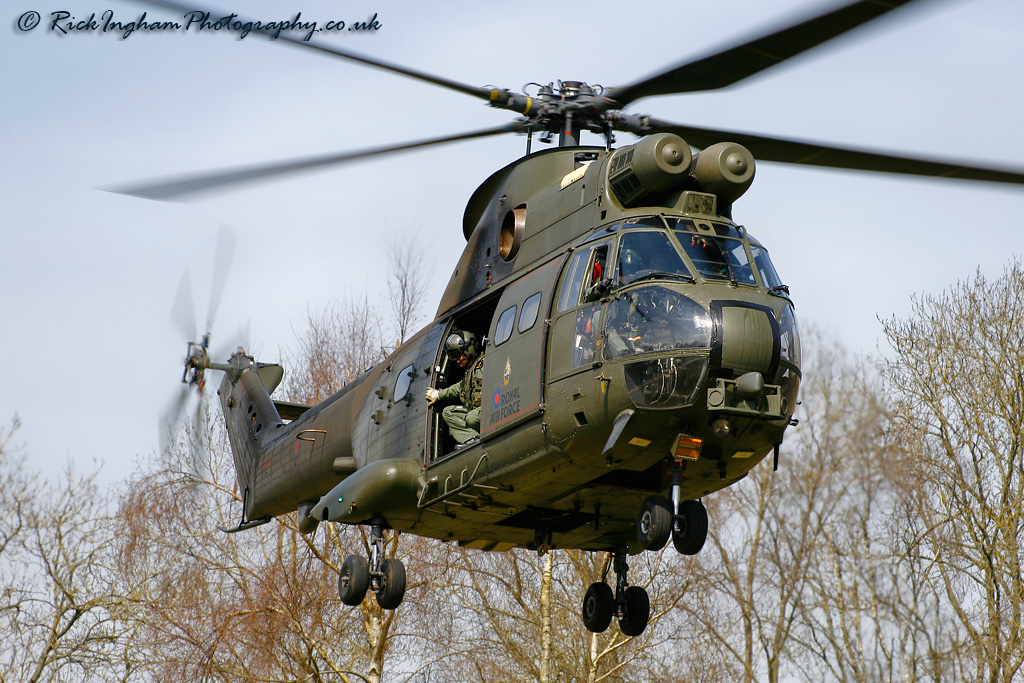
(639, 349)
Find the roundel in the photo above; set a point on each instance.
(497, 398)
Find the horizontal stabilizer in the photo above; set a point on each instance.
(290, 411)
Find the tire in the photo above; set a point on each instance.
(353, 580)
(598, 607)
(393, 577)
(693, 527)
(654, 523)
(637, 612)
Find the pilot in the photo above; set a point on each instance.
(462, 418)
(630, 265)
(625, 320)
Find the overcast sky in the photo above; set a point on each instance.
(88, 278)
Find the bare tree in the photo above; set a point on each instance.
(858, 617)
(336, 346)
(60, 607)
(520, 617)
(260, 605)
(958, 373)
(407, 283)
(798, 562)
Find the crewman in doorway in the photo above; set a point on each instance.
(462, 418)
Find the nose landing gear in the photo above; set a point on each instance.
(630, 605)
(385, 576)
(685, 521)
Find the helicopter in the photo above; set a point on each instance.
(639, 350)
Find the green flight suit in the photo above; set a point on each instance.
(463, 418)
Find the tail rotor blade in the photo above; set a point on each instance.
(183, 311)
(170, 421)
(227, 239)
(200, 441)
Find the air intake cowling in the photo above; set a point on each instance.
(658, 163)
(725, 169)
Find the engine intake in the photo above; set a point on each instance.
(658, 163)
(725, 169)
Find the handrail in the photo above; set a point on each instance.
(463, 484)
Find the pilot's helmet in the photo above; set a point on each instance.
(629, 264)
(461, 344)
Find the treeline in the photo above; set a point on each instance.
(887, 547)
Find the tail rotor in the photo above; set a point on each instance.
(197, 361)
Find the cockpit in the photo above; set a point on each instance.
(632, 286)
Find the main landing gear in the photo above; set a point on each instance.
(628, 604)
(385, 576)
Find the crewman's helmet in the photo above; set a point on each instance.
(630, 264)
(461, 344)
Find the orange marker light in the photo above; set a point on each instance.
(686, 447)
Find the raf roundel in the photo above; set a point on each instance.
(497, 398)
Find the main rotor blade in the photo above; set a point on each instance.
(765, 148)
(742, 61)
(173, 189)
(480, 93)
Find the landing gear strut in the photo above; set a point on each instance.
(385, 576)
(630, 605)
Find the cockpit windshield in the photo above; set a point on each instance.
(720, 255)
(655, 319)
(649, 255)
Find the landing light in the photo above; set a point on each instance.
(721, 427)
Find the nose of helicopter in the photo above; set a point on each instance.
(745, 342)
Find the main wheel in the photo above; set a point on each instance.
(654, 523)
(391, 593)
(693, 527)
(598, 606)
(636, 613)
(353, 580)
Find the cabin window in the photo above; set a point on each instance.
(403, 383)
(503, 330)
(528, 316)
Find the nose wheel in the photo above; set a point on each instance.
(654, 523)
(630, 605)
(691, 527)
(385, 576)
(684, 521)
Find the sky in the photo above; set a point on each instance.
(88, 278)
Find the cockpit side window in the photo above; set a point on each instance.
(648, 254)
(569, 297)
(598, 277)
(769, 277)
